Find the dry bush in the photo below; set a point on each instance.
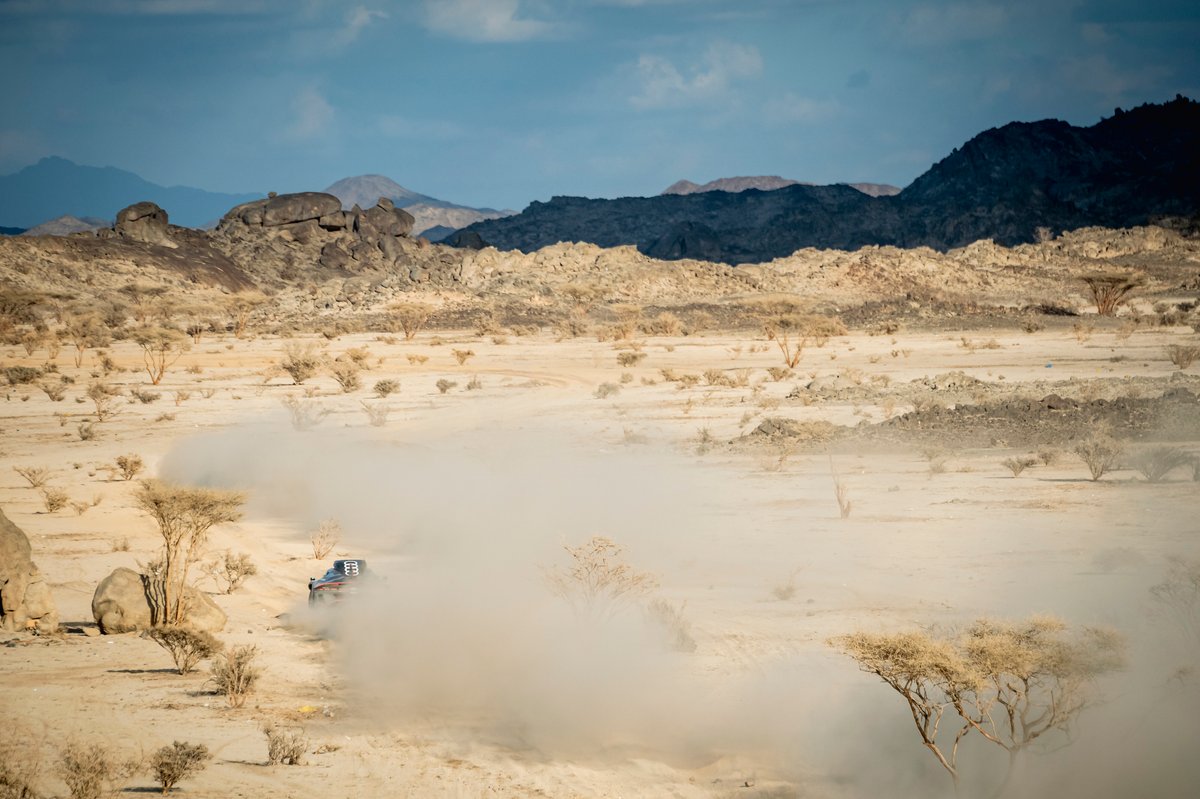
(54, 499)
(474, 384)
(462, 356)
(778, 373)
(1012, 683)
(327, 536)
(630, 358)
(377, 413)
(86, 430)
(36, 476)
(1111, 290)
(665, 324)
(300, 361)
(184, 516)
(1156, 463)
(1100, 453)
(145, 397)
(417, 360)
(235, 570)
(1179, 595)
(606, 390)
(93, 771)
(20, 764)
(161, 348)
(411, 317)
(445, 385)
(305, 413)
(385, 388)
(598, 583)
(841, 493)
(1018, 465)
(234, 674)
(345, 372)
(181, 397)
(21, 375)
(187, 646)
(130, 466)
(285, 746)
(104, 397)
(84, 332)
(172, 764)
(704, 441)
(1183, 355)
(786, 589)
(677, 630)
(57, 392)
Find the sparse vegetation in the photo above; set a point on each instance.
(54, 499)
(234, 674)
(285, 745)
(235, 569)
(1155, 463)
(1018, 465)
(1183, 355)
(598, 583)
(462, 356)
(445, 385)
(300, 361)
(345, 372)
(175, 763)
(36, 476)
(184, 516)
(130, 466)
(161, 348)
(411, 317)
(93, 771)
(606, 390)
(1179, 596)
(305, 413)
(385, 388)
(677, 630)
(187, 646)
(377, 413)
(1100, 453)
(327, 536)
(1111, 290)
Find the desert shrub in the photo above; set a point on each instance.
(305, 413)
(145, 397)
(377, 413)
(1111, 290)
(474, 384)
(778, 373)
(665, 324)
(234, 674)
(676, 628)
(104, 397)
(54, 499)
(462, 356)
(445, 385)
(1179, 596)
(1100, 453)
(606, 390)
(1018, 465)
(187, 646)
(93, 771)
(130, 466)
(1013, 683)
(20, 375)
(841, 493)
(36, 476)
(1156, 463)
(181, 397)
(184, 516)
(630, 358)
(285, 746)
(598, 583)
(327, 536)
(175, 763)
(20, 768)
(1183, 355)
(385, 388)
(86, 431)
(161, 348)
(417, 360)
(235, 570)
(411, 317)
(346, 375)
(57, 392)
(300, 361)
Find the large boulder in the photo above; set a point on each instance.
(288, 209)
(25, 599)
(120, 605)
(382, 220)
(145, 222)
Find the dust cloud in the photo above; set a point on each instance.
(460, 633)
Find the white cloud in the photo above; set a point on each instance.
(312, 115)
(791, 109)
(357, 19)
(661, 84)
(484, 20)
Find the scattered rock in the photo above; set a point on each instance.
(24, 596)
(144, 222)
(120, 605)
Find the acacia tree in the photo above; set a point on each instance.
(240, 307)
(1110, 290)
(184, 516)
(84, 332)
(411, 317)
(1012, 683)
(161, 348)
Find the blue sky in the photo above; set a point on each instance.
(501, 102)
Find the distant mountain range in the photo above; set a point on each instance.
(55, 187)
(434, 218)
(768, 183)
(1005, 184)
(66, 225)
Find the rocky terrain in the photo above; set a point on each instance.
(767, 183)
(66, 225)
(429, 213)
(1012, 184)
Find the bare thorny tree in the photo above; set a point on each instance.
(1011, 683)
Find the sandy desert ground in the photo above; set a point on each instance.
(464, 676)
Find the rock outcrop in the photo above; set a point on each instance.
(25, 599)
(120, 605)
(144, 222)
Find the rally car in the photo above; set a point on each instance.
(341, 580)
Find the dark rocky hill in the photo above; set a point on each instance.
(1005, 184)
